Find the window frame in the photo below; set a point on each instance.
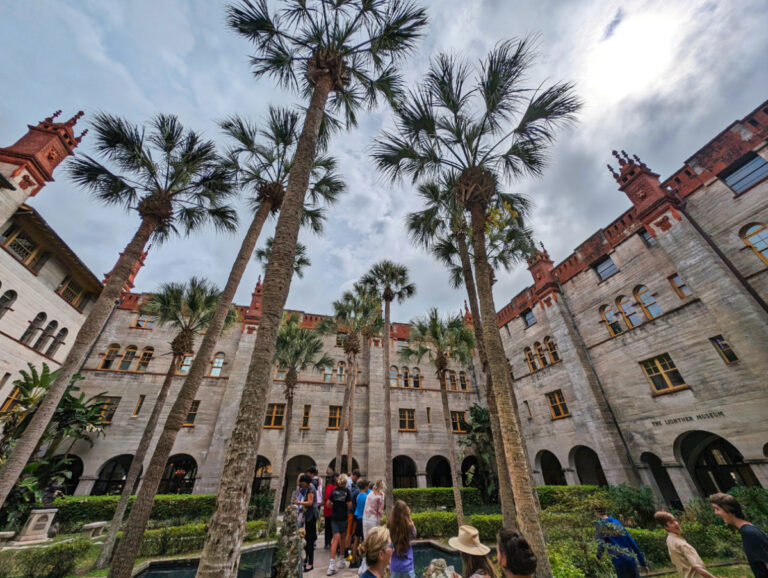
(613, 268)
(193, 410)
(458, 420)
(741, 164)
(463, 383)
(139, 404)
(718, 341)
(27, 261)
(551, 348)
(66, 285)
(183, 365)
(406, 376)
(530, 360)
(341, 373)
(429, 415)
(334, 415)
(557, 403)
(144, 321)
(453, 382)
(394, 376)
(305, 416)
(639, 293)
(131, 349)
(416, 377)
(656, 362)
(11, 401)
(648, 239)
(220, 356)
(147, 354)
(115, 348)
(328, 374)
(745, 235)
(407, 416)
(108, 403)
(525, 317)
(626, 309)
(540, 354)
(678, 287)
(604, 311)
(274, 411)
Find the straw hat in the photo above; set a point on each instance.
(468, 541)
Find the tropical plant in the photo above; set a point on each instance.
(477, 128)
(300, 259)
(260, 158)
(341, 56)
(188, 309)
(389, 281)
(440, 339)
(174, 180)
(296, 349)
(479, 440)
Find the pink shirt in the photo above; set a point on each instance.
(374, 508)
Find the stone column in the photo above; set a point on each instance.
(571, 477)
(648, 479)
(421, 480)
(85, 485)
(760, 468)
(539, 477)
(681, 479)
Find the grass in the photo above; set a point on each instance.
(738, 571)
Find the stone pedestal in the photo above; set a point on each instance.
(36, 528)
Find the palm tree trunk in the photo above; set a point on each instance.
(128, 548)
(226, 528)
(290, 388)
(85, 339)
(505, 483)
(389, 501)
(135, 470)
(365, 378)
(343, 419)
(523, 488)
(455, 468)
(351, 412)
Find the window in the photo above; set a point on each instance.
(128, 357)
(57, 342)
(401, 344)
(34, 326)
(139, 403)
(12, 400)
(407, 419)
(528, 409)
(275, 415)
(416, 377)
(6, 301)
(540, 354)
(528, 317)
(144, 321)
(679, 286)
(605, 268)
(328, 374)
(463, 381)
(394, 378)
(458, 423)
(647, 238)
(185, 365)
(217, 364)
(557, 405)
(662, 374)
(341, 372)
(647, 302)
(109, 357)
(334, 416)
(46, 335)
(551, 346)
(429, 416)
(755, 236)
(71, 292)
(192, 415)
(339, 340)
(146, 357)
(628, 312)
(108, 408)
(406, 377)
(452, 381)
(724, 349)
(750, 172)
(280, 373)
(21, 246)
(530, 360)
(305, 417)
(610, 320)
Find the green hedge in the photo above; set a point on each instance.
(420, 499)
(46, 562)
(564, 496)
(188, 538)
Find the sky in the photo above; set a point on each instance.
(658, 79)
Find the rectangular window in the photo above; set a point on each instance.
(679, 286)
(71, 292)
(401, 344)
(21, 245)
(453, 386)
(407, 419)
(605, 268)
(662, 374)
(334, 416)
(749, 172)
(458, 423)
(190, 421)
(429, 416)
(557, 405)
(528, 317)
(108, 408)
(528, 409)
(339, 340)
(12, 400)
(186, 364)
(139, 403)
(648, 239)
(280, 374)
(724, 349)
(144, 321)
(328, 374)
(275, 416)
(305, 417)
(463, 381)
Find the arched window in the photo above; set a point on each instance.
(541, 354)
(6, 301)
(647, 302)
(611, 321)
(416, 376)
(551, 346)
(128, 357)
(328, 374)
(406, 376)
(146, 357)
(463, 381)
(452, 381)
(341, 372)
(34, 326)
(628, 312)
(217, 364)
(110, 356)
(394, 376)
(57, 342)
(756, 237)
(529, 359)
(46, 336)
(186, 364)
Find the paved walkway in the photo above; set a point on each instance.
(322, 559)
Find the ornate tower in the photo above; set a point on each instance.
(543, 272)
(134, 271)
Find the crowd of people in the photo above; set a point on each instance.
(353, 509)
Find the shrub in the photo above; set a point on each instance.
(565, 498)
(187, 538)
(754, 502)
(562, 567)
(653, 545)
(435, 524)
(488, 525)
(420, 499)
(580, 552)
(53, 562)
(633, 506)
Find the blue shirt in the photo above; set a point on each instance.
(361, 497)
(614, 539)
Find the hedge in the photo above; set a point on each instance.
(564, 496)
(420, 499)
(45, 562)
(188, 538)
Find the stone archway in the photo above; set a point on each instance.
(550, 468)
(296, 465)
(112, 476)
(262, 476)
(344, 468)
(404, 472)
(179, 475)
(663, 481)
(588, 467)
(439, 473)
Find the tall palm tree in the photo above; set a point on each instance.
(260, 158)
(188, 309)
(440, 339)
(300, 260)
(174, 180)
(481, 127)
(389, 281)
(341, 56)
(296, 349)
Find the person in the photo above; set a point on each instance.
(516, 558)
(621, 547)
(340, 502)
(753, 539)
(374, 507)
(307, 500)
(403, 532)
(377, 552)
(683, 555)
(358, 536)
(327, 512)
(354, 490)
(317, 481)
(474, 554)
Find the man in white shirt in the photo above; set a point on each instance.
(683, 555)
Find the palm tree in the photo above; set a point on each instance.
(341, 56)
(297, 349)
(188, 308)
(260, 159)
(389, 281)
(173, 179)
(480, 128)
(300, 260)
(440, 339)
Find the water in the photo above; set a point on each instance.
(424, 553)
(253, 564)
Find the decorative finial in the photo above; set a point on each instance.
(54, 115)
(82, 134)
(466, 309)
(258, 282)
(619, 158)
(73, 121)
(626, 156)
(541, 244)
(613, 172)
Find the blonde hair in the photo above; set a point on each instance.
(379, 487)
(376, 541)
(343, 480)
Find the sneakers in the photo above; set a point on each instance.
(331, 568)
(341, 564)
(354, 565)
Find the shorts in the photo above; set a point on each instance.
(338, 527)
(359, 528)
(351, 523)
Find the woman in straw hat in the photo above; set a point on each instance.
(474, 555)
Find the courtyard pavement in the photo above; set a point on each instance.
(321, 563)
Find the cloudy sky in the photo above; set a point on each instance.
(658, 79)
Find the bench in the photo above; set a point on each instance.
(94, 529)
(5, 536)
